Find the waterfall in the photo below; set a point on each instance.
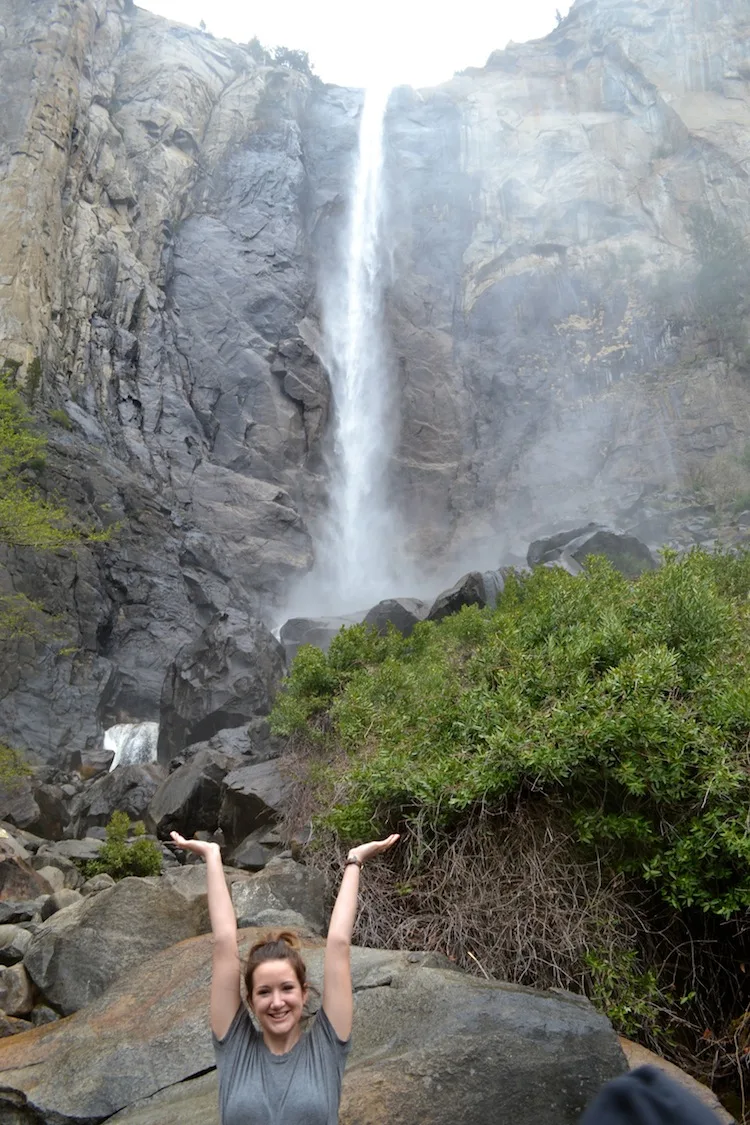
(132, 743)
(358, 551)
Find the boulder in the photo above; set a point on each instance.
(256, 850)
(10, 844)
(49, 856)
(59, 901)
(79, 951)
(226, 678)
(480, 588)
(315, 631)
(97, 883)
(93, 759)
(402, 613)
(126, 789)
(52, 875)
(9, 1025)
(546, 549)
(54, 816)
(188, 799)
(79, 850)
(29, 910)
(14, 838)
(36, 805)
(41, 1014)
(283, 894)
(16, 991)
(14, 941)
(251, 741)
(626, 553)
(251, 797)
(18, 805)
(638, 1055)
(19, 880)
(431, 1046)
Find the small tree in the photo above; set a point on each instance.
(120, 857)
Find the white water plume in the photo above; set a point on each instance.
(358, 555)
(132, 743)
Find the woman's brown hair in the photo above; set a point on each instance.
(281, 946)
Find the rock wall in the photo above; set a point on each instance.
(171, 208)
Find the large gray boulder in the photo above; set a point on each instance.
(14, 941)
(70, 850)
(284, 894)
(19, 880)
(226, 678)
(431, 1046)
(402, 613)
(69, 871)
(126, 789)
(17, 992)
(571, 549)
(39, 805)
(251, 797)
(546, 549)
(315, 631)
(18, 805)
(82, 949)
(480, 588)
(257, 849)
(188, 799)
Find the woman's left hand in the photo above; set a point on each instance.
(363, 852)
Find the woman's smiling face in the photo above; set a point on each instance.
(277, 1002)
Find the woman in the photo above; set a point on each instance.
(278, 1076)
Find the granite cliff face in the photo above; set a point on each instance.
(171, 208)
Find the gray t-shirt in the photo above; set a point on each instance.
(302, 1087)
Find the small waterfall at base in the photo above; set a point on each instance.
(358, 551)
(132, 743)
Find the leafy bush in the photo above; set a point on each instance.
(624, 703)
(120, 857)
(571, 772)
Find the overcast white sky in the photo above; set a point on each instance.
(355, 44)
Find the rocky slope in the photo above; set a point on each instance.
(171, 207)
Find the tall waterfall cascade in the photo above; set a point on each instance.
(132, 743)
(358, 549)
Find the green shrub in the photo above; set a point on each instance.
(570, 771)
(624, 703)
(119, 856)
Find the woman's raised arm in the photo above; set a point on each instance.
(225, 973)
(338, 1003)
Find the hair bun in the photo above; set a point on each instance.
(277, 937)
(287, 937)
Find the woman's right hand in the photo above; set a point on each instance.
(203, 848)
